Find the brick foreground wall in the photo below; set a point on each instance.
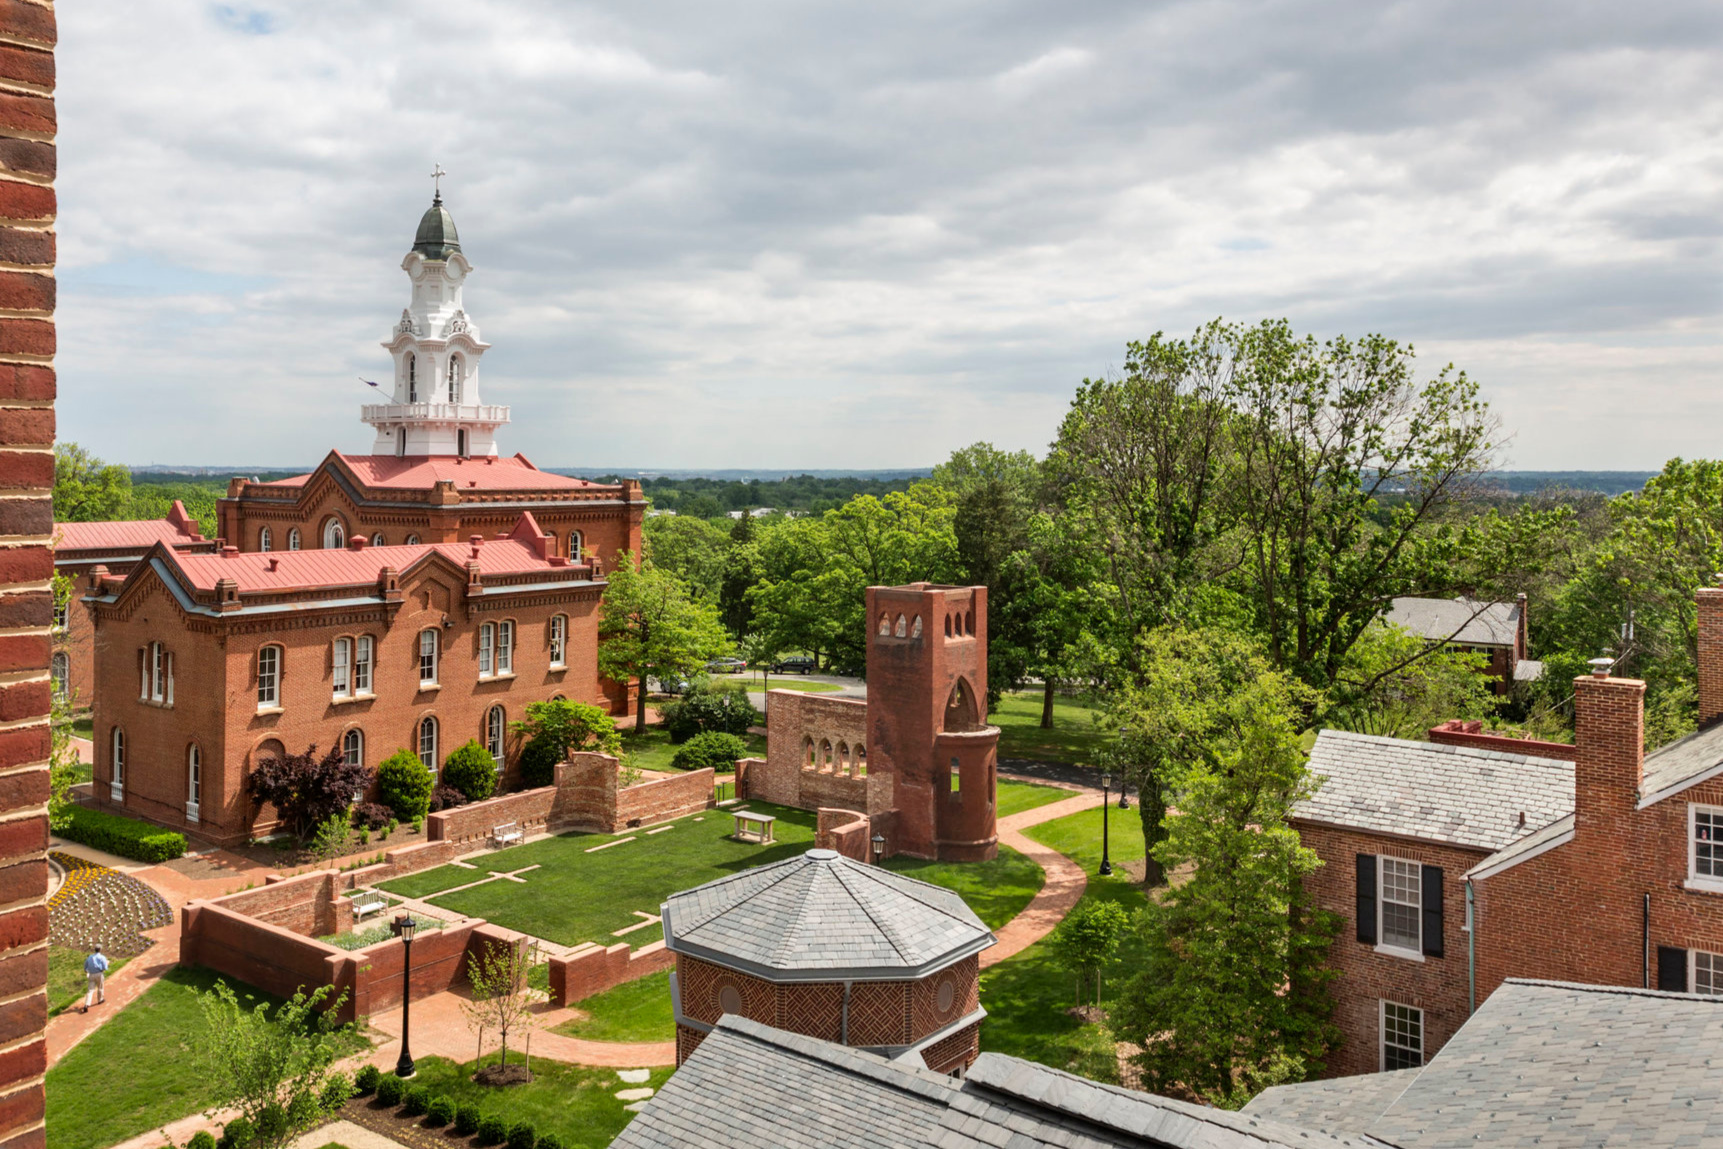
(591, 971)
(27, 386)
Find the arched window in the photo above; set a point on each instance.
(884, 625)
(412, 384)
(353, 748)
(505, 647)
(412, 540)
(400, 441)
(810, 757)
(60, 670)
(268, 677)
(362, 664)
(902, 627)
(427, 658)
(461, 442)
(948, 626)
(915, 627)
(968, 622)
(575, 543)
(860, 770)
(559, 640)
(343, 668)
(494, 727)
(825, 754)
(193, 781)
(377, 539)
(487, 649)
(457, 372)
(428, 743)
(961, 711)
(117, 765)
(161, 688)
(263, 539)
(334, 536)
(843, 756)
(293, 539)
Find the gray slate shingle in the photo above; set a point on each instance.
(1457, 620)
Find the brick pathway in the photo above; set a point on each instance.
(440, 1029)
(1065, 882)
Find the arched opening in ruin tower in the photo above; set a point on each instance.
(961, 712)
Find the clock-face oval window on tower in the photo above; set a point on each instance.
(730, 999)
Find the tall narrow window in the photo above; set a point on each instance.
(1402, 1036)
(455, 373)
(268, 677)
(169, 698)
(1402, 904)
(956, 776)
(505, 647)
(293, 539)
(494, 726)
(334, 535)
(117, 765)
(400, 441)
(559, 640)
(158, 672)
(143, 673)
(487, 649)
(343, 667)
(461, 442)
(60, 669)
(263, 538)
(412, 382)
(362, 664)
(193, 782)
(574, 544)
(427, 658)
(353, 748)
(428, 743)
(60, 615)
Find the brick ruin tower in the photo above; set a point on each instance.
(926, 718)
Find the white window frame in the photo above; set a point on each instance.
(60, 673)
(487, 649)
(269, 677)
(506, 647)
(1382, 1033)
(558, 641)
(293, 539)
(496, 727)
(362, 657)
(334, 535)
(377, 539)
(193, 782)
(158, 673)
(1383, 945)
(428, 724)
(117, 765)
(575, 542)
(429, 657)
(263, 539)
(60, 611)
(412, 540)
(412, 378)
(1713, 816)
(341, 668)
(353, 755)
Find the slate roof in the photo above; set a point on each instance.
(1334, 1105)
(1456, 794)
(822, 917)
(749, 1086)
(1457, 620)
(1544, 838)
(1672, 768)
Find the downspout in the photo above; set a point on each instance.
(1645, 945)
(1471, 952)
(844, 1031)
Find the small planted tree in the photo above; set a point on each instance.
(472, 771)
(404, 785)
(503, 997)
(557, 728)
(276, 1067)
(1086, 940)
(307, 790)
(652, 629)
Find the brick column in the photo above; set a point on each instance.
(1709, 600)
(1609, 752)
(27, 34)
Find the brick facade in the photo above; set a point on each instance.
(27, 389)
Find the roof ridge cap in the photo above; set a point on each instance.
(897, 939)
(793, 931)
(917, 894)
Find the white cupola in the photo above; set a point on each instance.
(435, 408)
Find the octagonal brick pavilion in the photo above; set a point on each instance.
(833, 948)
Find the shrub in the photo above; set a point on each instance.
(419, 824)
(417, 1100)
(306, 790)
(719, 751)
(522, 1135)
(272, 1124)
(237, 1134)
(446, 798)
(441, 1112)
(472, 771)
(467, 1120)
(493, 1131)
(404, 784)
(549, 1141)
(390, 1089)
(538, 760)
(337, 1091)
(365, 1081)
(202, 1139)
(372, 815)
(126, 837)
(712, 707)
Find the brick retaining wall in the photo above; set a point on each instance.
(592, 971)
(530, 809)
(310, 905)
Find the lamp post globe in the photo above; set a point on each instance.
(878, 847)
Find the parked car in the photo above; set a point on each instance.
(798, 664)
(726, 666)
(673, 684)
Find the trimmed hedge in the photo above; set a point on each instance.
(441, 1112)
(390, 1089)
(522, 1136)
(416, 1101)
(366, 1079)
(493, 1131)
(718, 750)
(404, 785)
(467, 1118)
(127, 837)
(471, 770)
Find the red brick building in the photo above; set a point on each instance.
(81, 547)
(1461, 865)
(209, 662)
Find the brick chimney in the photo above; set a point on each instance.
(1609, 749)
(1709, 600)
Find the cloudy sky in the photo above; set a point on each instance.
(783, 234)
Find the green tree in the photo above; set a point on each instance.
(87, 490)
(651, 628)
(568, 727)
(1230, 994)
(471, 770)
(1398, 685)
(691, 549)
(404, 785)
(274, 1067)
(1085, 941)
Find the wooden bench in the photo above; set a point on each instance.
(752, 827)
(507, 834)
(362, 908)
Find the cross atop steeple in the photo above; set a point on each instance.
(437, 178)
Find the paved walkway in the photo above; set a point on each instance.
(1065, 882)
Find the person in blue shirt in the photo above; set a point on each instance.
(95, 974)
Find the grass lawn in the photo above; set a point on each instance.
(754, 681)
(66, 984)
(1016, 797)
(576, 1103)
(652, 749)
(1074, 738)
(576, 896)
(633, 1011)
(136, 1073)
(997, 891)
(1026, 996)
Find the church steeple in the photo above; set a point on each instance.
(436, 408)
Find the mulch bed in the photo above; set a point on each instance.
(370, 1114)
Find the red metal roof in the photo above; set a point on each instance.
(140, 535)
(296, 570)
(418, 472)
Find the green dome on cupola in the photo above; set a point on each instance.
(436, 237)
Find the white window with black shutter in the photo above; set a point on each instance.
(1399, 906)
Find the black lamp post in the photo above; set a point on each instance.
(1106, 801)
(878, 848)
(406, 926)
